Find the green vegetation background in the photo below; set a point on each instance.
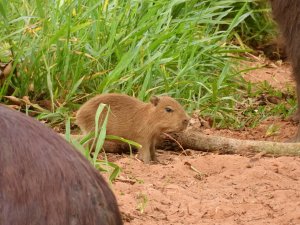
(67, 51)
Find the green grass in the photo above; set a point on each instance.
(258, 104)
(67, 51)
(64, 50)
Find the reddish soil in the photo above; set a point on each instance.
(204, 188)
(277, 74)
(210, 189)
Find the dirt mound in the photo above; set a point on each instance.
(210, 189)
(277, 74)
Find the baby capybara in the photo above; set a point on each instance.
(135, 120)
(45, 181)
(287, 15)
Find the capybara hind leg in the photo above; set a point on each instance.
(114, 147)
(108, 146)
(296, 116)
(296, 138)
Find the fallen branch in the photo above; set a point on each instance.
(198, 141)
(210, 143)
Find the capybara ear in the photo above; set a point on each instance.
(154, 100)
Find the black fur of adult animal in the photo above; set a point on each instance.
(287, 15)
(45, 181)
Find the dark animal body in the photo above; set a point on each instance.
(287, 14)
(44, 180)
(135, 120)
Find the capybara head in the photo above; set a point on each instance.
(170, 114)
(44, 180)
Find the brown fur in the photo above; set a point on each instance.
(44, 180)
(135, 120)
(287, 15)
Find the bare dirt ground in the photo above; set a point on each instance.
(203, 188)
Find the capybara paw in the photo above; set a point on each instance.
(145, 158)
(296, 117)
(294, 139)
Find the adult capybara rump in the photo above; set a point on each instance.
(287, 15)
(44, 180)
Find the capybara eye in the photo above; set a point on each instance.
(168, 109)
